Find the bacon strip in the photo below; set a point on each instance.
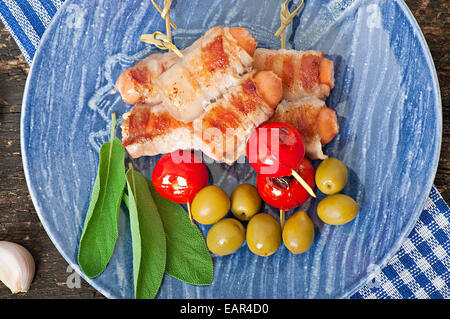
(203, 74)
(136, 84)
(220, 52)
(222, 130)
(151, 130)
(225, 125)
(302, 72)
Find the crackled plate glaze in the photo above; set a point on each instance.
(386, 97)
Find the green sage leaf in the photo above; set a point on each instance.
(148, 238)
(188, 257)
(101, 223)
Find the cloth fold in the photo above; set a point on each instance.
(420, 269)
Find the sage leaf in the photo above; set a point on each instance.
(101, 223)
(188, 258)
(148, 238)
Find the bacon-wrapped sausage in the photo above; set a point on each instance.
(303, 72)
(316, 122)
(221, 132)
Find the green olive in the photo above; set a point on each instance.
(245, 201)
(298, 233)
(210, 204)
(337, 209)
(263, 234)
(331, 176)
(225, 237)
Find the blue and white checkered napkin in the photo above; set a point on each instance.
(420, 269)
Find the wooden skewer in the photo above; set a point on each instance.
(174, 26)
(286, 19)
(161, 41)
(303, 183)
(169, 23)
(190, 213)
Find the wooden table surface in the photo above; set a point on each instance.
(18, 219)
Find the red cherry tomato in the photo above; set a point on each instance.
(286, 192)
(274, 149)
(179, 175)
(276, 192)
(306, 171)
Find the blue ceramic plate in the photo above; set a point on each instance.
(386, 97)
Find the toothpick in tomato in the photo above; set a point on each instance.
(286, 192)
(275, 191)
(178, 176)
(306, 171)
(275, 149)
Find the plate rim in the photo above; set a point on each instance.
(357, 285)
(430, 182)
(31, 190)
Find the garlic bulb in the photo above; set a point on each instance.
(16, 267)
